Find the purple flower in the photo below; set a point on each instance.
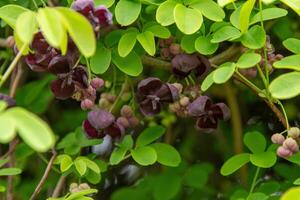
(152, 93)
(10, 101)
(207, 113)
(100, 123)
(184, 64)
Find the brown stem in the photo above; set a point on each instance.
(44, 177)
(11, 149)
(59, 186)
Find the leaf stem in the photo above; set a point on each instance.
(12, 66)
(254, 182)
(285, 115)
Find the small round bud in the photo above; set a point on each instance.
(175, 49)
(178, 86)
(123, 121)
(126, 111)
(184, 101)
(291, 144)
(97, 83)
(108, 84)
(277, 138)
(73, 185)
(294, 132)
(283, 152)
(84, 186)
(104, 103)
(165, 53)
(111, 98)
(86, 104)
(133, 121)
(75, 190)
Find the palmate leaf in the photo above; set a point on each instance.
(234, 163)
(10, 14)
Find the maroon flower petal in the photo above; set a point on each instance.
(90, 131)
(149, 86)
(199, 106)
(221, 111)
(203, 67)
(39, 44)
(59, 65)
(100, 119)
(115, 130)
(61, 89)
(206, 124)
(80, 77)
(31, 61)
(103, 15)
(83, 6)
(150, 108)
(183, 64)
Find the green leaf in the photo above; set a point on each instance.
(244, 17)
(268, 14)
(234, 163)
(223, 3)
(195, 177)
(65, 162)
(255, 142)
(291, 194)
(207, 82)
(149, 135)
(146, 39)
(225, 33)
(167, 154)
(235, 17)
(158, 30)
(113, 37)
(166, 187)
(188, 43)
(289, 62)
(127, 11)
(127, 42)
(3, 161)
(127, 142)
(2, 188)
(292, 44)
(100, 62)
(91, 164)
(131, 64)
(165, 13)
(294, 4)
(107, 3)
(117, 155)
(81, 193)
(257, 196)
(3, 105)
(80, 166)
(34, 131)
(224, 72)
(297, 181)
(285, 86)
(10, 171)
(80, 30)
(255, 38)
(52, 28)
(264, 159)
(188, 20)
(7, 128)
(144, 155)
(209, 9)
(248, 60)
(204, 46)
(10, 14)
(26, 26)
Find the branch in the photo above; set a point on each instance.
(59, 186)
(44, 177)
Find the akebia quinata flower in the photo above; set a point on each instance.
(100, 123)
(184, 64)
(207, 113)
(152, 93)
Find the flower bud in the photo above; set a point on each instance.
(73, 185)
(126, 111)
(104, 103)
(178, 86)
(294, 132)
(175, 49)
(86, 104)
(97, 83)
(84, 186)
(291, 144)
(165, 53)
(123, 121)
(184, 101)
(133, 121)
(277, 138)
(283, 152)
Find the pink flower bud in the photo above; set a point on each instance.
(184, 101)
(291, 145)
(283, 152)
(277, 138)
(133, 121)
(123, 121)
(86, 104)
(97, 83)
(126, 111)
(175, 49)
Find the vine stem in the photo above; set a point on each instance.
(285, 115)
(254, 182)
(12, 66)
(44, 177)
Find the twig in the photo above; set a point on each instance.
(59, 186)
(44, 177)
(11, 150)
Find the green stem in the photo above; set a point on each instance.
(12, 66)
(89, 69)
(285, 115)
(253, 182)
(262, 76)
(248, 82)
(120, 95)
